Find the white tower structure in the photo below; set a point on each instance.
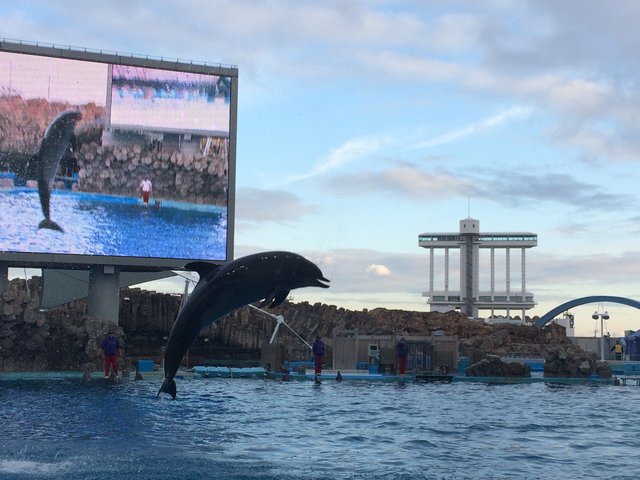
(470, 298)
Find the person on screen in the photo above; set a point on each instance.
(145, 188)
(110, 349)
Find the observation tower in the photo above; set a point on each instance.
(462, 249)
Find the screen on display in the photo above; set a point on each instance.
(127, 163)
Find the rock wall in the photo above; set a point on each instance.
(193, 178)
(33, 341)
(24, 331)
(517, 340)
(66, 337)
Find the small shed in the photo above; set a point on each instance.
(352, 351)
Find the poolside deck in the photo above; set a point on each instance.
(197, 373)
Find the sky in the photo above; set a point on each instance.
(362, 124)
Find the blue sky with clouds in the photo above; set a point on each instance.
(362, 124)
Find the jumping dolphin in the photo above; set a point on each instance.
(58, 138)
(267, 276)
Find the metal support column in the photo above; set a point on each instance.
(508, 272)
(104, 293)
(446, 271)
(4, 276)
(431, 270)
(493, 273)
(523, 274)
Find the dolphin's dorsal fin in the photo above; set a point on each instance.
(203, 268)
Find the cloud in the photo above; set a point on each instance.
(520, 188)
(516, 187)
(567, 61)
(603, 273)
(358, 148)
(378, 270)
(350, 151)
(408, 181)
(599, 142)
(364, 270)
(407, 67)
(511, 114)
(254, 205)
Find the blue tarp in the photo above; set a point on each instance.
(632, 346)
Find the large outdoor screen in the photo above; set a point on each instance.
(114, 160)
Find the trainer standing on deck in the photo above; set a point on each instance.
(318, 354)
(110, 348)
(146, 187)
(402, 352)
(618, 349)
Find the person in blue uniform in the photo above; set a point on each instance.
(318, 354)
(110, 348)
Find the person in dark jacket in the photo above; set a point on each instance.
(110, 348)
(402, 353)
(318, 354)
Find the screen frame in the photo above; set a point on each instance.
(128, 263)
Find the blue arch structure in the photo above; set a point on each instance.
(547, 317)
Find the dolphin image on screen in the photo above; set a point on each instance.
(267, 276)
(58, 138)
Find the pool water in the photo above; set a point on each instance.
(96, 224)
(264, 429)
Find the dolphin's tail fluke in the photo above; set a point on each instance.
(169, 386)
(50, 224)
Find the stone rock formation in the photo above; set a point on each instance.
(570, 364)
(493, 366)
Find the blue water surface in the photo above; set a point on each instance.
(264, 429)
(96, 224)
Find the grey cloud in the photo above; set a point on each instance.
(254, 205)
(413, 182)
(519, 188)
(606, 271)
(575, 58)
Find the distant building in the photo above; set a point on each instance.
(463, 248)
(568, 322)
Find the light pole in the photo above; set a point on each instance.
(603, 316)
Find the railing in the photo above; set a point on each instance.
(115, 53)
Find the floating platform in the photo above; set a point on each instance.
(438, 377)
(228, 372)
(352, 375)
(537, 379)
(431, 377)
(630, 380)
